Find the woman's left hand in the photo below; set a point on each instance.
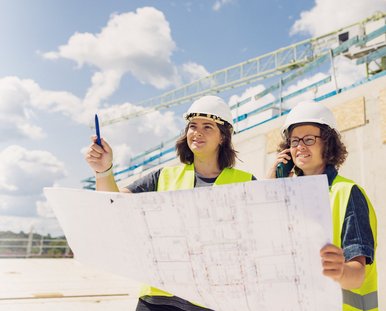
(349, 274)
(332, 261)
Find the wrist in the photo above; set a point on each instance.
(105, 173)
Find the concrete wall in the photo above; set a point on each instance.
(361, 116)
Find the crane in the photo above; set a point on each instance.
(279, 62)
(363, 42)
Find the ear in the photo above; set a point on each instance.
(223, 138)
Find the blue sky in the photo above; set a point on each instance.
(62, 61)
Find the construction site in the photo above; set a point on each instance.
(359, 106)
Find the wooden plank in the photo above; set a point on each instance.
(273, 139)
(350, 114)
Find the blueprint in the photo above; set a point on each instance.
(246, 246)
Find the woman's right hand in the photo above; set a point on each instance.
(99, 158)
(282, 157)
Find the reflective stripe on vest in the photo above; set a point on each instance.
(365, 297)
(181, 177)
(367, 302)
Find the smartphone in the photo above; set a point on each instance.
(283, 170)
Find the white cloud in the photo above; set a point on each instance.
(21, 98)
(137, 42)
(27, 171)
(26, 93)
(158, 123)
(103, 85)
(330, 15)
(217, 6)
(44, 210)
(138, 134)
(24, 173)
(122, 154)
(16, 118)
(57, 101)
(192, 71)
(347, 72)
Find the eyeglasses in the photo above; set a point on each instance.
(308, 140)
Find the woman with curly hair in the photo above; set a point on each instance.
(313, 143)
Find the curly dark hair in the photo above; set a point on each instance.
(334, 151)
(226, 156)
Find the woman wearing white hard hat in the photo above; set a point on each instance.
(208, 159)
(312, 141)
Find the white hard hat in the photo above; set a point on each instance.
(309, 112)
(210, 107)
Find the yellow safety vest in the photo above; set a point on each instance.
(181, 177)
(365, 297)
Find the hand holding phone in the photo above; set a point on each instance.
(283, 170)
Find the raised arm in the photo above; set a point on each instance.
(100, 159)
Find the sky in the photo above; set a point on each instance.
(63, 61)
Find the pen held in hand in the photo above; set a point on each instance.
(98, 134)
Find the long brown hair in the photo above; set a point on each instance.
(226, 154)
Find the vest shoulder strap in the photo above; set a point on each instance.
(177, 177)
(181, 177)
(232, 175)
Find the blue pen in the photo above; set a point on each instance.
(98, 134)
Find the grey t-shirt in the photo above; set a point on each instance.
(149, 182)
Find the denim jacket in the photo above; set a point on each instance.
(357, 237)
